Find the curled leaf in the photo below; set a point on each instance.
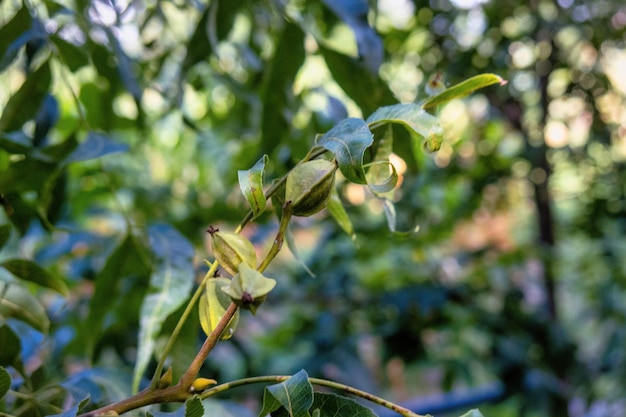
(382, 177)
(251, 184)
(413, 118)
(463, 89)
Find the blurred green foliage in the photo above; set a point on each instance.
(122, 119)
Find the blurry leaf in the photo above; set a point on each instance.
(95, 146)
(473, 413)
(337, 210)
(15, 142)
(219, 16)
(412, 117)
(30, 271)
(127, 259)
(25, 175)
(390, 213)
(24, 104)
(5, 233)
(13, 36)
(251, 184)
(278, 85)
(36, 40)
(223, 408)
(46, 118)
(348, 141)
(71, 55)
(193, 407)
(19, 303)
(198, 47)
(5, 382)
(355, 14)
(125, 68)
(10, 345)
(366, 89)
(170, 284)
(19, 212)
(294, 394)
(56, 8)
(332, 405)
(73, 412)
(463, 89)
(293, 248)
(212, 306)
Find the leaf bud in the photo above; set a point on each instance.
(249, 288)
(231, 249)
(309, 186)
(166, 379)
(200, 384)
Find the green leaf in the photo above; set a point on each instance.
(332, 405)
(213, 305)
(13, 35)
(24, 104)
(19, 303)
(170, 284)
(26, 175)
(251, 184)
(463, 89)
(16, 142)
(30, 271)
(95, 146)
(126, 260)
(366, 89)
(348, 141)
(73, 56)
(5, 234)
(193, 407)
(278, 84)
(199, 46)
(5, 382)
(294, 394)
(10, 346)
(338, 211)
(413, 118)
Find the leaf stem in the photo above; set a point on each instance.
(315, 381)
(279, 239)
(208, 345)
(170, 343)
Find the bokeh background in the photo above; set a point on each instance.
(512, 295)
